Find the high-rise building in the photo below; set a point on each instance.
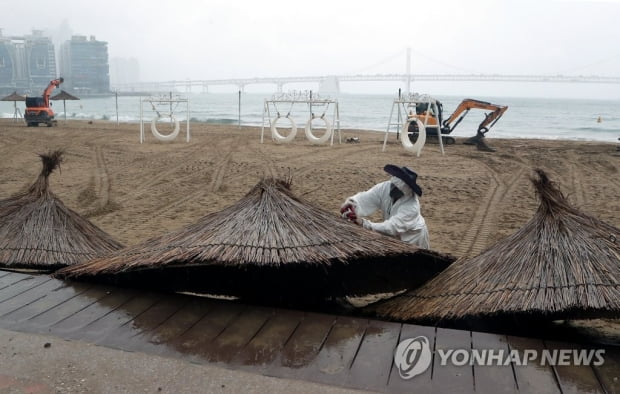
(84, 65)
(27, 63)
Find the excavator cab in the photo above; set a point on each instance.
(430, 113)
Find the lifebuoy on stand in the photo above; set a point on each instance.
(318, 140)
(165, 137)
(404, 137)
(279, 137)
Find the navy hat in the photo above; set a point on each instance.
(406, 175)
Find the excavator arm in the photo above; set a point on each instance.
(48, 91)
(489, 120)
(463, 109)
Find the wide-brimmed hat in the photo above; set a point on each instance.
(406, 175)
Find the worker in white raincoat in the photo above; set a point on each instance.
(398, 200)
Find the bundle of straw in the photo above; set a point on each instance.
(562, 264)
(270, 241)
(38, 232)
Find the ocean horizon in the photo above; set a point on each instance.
(544, 118)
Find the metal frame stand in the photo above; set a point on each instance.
(163, 100)
(303, 97)
(403, 105)
(16, 112)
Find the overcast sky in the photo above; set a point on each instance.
(212, 39)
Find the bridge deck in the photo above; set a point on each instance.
(337, 350)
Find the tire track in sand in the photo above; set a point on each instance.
(102, 180)
(216, 183)
(476, 240)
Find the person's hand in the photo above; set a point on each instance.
(350, 215)
(348, 205)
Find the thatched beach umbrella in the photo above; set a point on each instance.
(562, 264)
(38, 232)
(14, 97)
(269, 244)
(64, 96)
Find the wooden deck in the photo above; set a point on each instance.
(337, 350)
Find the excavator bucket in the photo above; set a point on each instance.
(480, 142)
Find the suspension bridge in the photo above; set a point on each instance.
(331, 83)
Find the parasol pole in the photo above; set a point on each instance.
(116, 94)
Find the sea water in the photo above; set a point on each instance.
(553, 118)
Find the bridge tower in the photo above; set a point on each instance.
(408, 71)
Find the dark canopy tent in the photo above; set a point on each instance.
(64, 96)
(562, 264)
(270, 245)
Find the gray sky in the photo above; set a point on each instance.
(213, 39)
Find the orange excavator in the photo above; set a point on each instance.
(38, 109)
(430, 112)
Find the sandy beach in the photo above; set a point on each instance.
(136, 191)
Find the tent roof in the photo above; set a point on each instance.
(37, 231)
(14, 97)
(562, 264)
(269, 229)
(64, 96)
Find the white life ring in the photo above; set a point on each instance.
(322, 139)
(165, 137)
(279, 137)
(404, 137)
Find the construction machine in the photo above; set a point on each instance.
(38, 109)
(430, 112)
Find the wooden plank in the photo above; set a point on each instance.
(450, 378)
(43, 321)
(238, 334)
(264, 348)
(303, 346)
(51, 299)
(28, 296)
(372, 364)
(131, 334)
(26, 283)
(493, 378)
(422, 382)
(157, 340)
(195, 343)
(71, 326)
(574, 378)
(135, 304)
(609, 373)
(533, 377)
(11, 278)
(331, 365)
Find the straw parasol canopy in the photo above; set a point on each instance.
(562, 264)
(14, 97)
(38, 232)
(272, 245)
(64, 96)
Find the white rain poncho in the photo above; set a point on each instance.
(402, 219)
